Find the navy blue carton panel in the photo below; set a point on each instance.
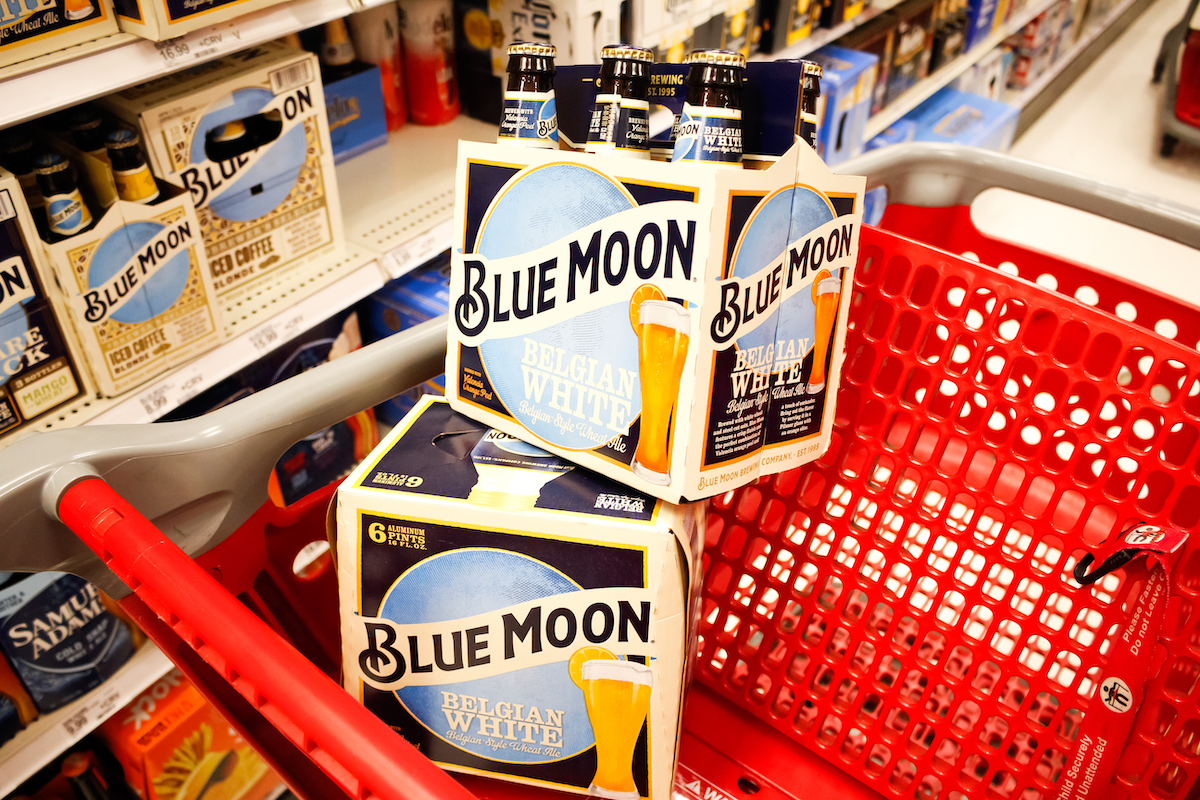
(357, 120)
(38, 371)
(770, 105)
(60, 639)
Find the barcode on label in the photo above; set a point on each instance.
(288, 78)
(7, 210)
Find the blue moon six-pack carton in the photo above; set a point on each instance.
(513, 615)
(676, 328)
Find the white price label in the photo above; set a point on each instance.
(264, 338)
(93, 712)
(201, 45)
(154, 400)
(412, 254)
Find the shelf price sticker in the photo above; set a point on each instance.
(416, 251)
(201, 45)
(92, 713)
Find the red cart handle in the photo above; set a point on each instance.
(351, 745)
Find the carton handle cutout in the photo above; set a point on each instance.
(241, 136)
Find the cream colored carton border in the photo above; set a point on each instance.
(672, 541)
(156, 22)
(188, 329)
(103, 25)
(179, 101)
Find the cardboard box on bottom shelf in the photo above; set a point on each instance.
(36, 27)
(137, 289)
(248, 136)
(41, 367)
(514, 615)
(166, 19)
(173, 745)
(676, 328)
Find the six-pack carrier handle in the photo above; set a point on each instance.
(144, 500)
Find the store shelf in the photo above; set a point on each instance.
(36, 87)
(398, 200)
(925, 89)
(49, 735)
(823, 36)
(1023, 98)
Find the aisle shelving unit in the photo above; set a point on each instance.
(50, 734)
(823, 36)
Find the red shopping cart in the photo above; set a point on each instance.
(796, 563)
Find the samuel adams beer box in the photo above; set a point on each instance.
(676, 328)
(513, 615)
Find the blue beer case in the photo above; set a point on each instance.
(480, 575)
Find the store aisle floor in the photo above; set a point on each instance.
(1106, 126)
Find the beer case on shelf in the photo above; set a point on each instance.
(265, 211)
(847, 92)
(169, 741)
(911, 53)
(677, 328)
(41, 368)
(136, 287)
(36, 27)
(513, 615)
(577, 28)
(167, 19)
(788, 22)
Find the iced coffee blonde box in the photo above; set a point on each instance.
(514, 615)
(676, 328)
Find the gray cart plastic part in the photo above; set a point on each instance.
(198, 480)
(1167, 63)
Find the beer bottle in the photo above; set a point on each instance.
(621, 117)
(80, 772)
(941, 21)
(16, 156)
(135, 183)
(87, 131)
(337, 53)
(66, 212)
(530, 115)
(710, 128)
(810, 91)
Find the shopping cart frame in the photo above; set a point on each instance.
(198, 480)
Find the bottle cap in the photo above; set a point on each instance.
(84, 118)
(532, 49)
(720, 58)
(50, 163)
(628, 52)
(121, 138)
(13, 141)
(813, 68)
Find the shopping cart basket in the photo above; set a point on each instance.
(199, 480)
(906, 607)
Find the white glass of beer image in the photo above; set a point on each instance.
(826, 293)
(77, 9)
(662, 329)
(617, 694)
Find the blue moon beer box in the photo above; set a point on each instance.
(513, 615)
(676, 328)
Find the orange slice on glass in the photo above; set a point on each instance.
(588, 653)
(647, 291)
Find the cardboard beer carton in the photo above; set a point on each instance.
(166, 19)
(513, 615)
(32, 28)
(41, 368)
(174, 745)
(263, 210)
(676, 328)
(137, 290)
(579, 29)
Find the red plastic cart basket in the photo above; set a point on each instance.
(797, 583)
(906, 607)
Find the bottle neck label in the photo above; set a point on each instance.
(530, 119)
(808, 128)
(67, 213)
(620, 126)
(709, 135)
(135, 185)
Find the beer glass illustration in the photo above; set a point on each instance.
(77, 9)
(617, 695)
(662, 331)
(826, 293)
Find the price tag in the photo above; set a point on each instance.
(93, 712)
(415, 252)
(154, 400)
(264, 338)
(201, 45)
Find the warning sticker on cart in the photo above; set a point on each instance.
(690, 786)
